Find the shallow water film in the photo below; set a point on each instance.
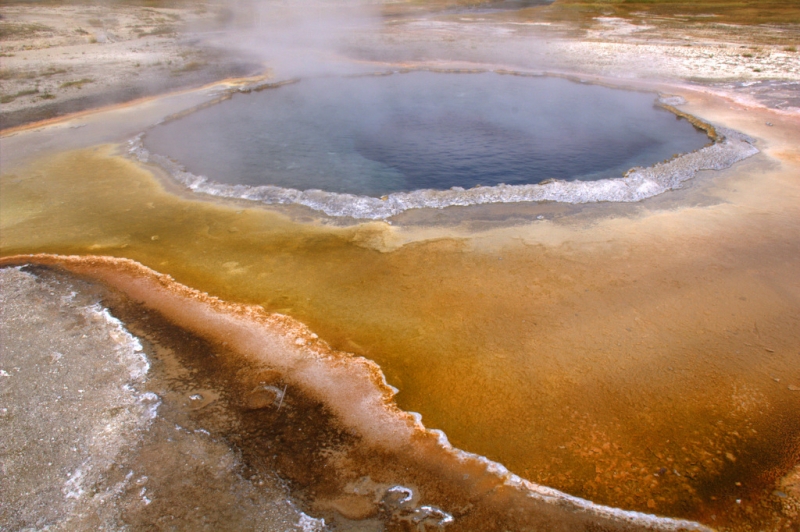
(663, 382)
(193, 338)
(374, 135)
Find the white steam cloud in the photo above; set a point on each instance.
(297, 37)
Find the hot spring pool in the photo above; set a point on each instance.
(373, 136)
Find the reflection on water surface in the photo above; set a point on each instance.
(376, 135)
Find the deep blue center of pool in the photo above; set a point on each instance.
(381, 134)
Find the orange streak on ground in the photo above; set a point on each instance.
(608, 346)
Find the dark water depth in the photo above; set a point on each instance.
(378, 135)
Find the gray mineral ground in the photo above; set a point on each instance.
(86, 444)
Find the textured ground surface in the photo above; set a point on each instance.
(58, 59)
(87, 444)
(647, 352)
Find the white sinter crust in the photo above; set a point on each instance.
(639, 183)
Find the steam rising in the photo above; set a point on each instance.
(297, 38)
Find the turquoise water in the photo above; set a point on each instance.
(381, 134)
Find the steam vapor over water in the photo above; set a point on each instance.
(297, 38)
(434, 140)
(226, 364)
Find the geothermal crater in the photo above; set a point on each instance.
(357, 139)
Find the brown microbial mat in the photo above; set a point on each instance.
(643, 358)
(257, 418)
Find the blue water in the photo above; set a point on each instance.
(422, 130)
